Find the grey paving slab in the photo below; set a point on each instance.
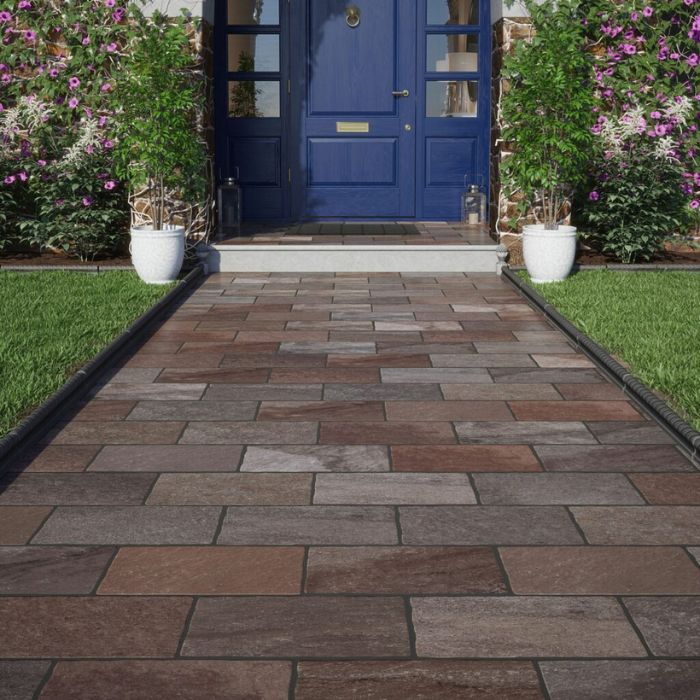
(194, 410)
(382, 392)
(142, 392)
(264, 392)
(401, 375)
(251, 433)
(316, 458)
(291, 525)
(487, 525)
(129, 525)
(669, 625)
(552, 432)
(167, 458)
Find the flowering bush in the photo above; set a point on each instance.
(647, 56)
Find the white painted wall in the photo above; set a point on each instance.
(198, 8)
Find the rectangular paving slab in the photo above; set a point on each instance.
(329, 627)
(316, 458)
(167, 458)
(523, 627)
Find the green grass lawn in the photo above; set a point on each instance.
(51, 323)
(649, 320)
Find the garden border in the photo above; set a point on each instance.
(41, 418)
(684, 434)
(620, 267)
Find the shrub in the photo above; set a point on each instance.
(547, 110)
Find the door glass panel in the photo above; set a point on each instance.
(452, 98)
(248, 12)
(254, 52)
(249, 99)
(453, 11)
(453, 53)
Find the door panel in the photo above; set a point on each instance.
(357, 147)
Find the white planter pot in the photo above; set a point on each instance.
(549, 254)
(157, 255)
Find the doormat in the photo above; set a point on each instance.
(341, 229)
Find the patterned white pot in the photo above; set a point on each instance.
(157, 255)
(549, 254)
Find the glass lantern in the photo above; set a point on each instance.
(230, 205)
(474, 206)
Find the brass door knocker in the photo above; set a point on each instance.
(352, 16)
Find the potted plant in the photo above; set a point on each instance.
(547, 113)
(159, 151)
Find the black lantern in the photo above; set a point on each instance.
(230, 207)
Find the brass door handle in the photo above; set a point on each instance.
(400, 93)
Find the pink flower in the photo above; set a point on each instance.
(87, 201)
(695, 204)
(108, 144)
(105, 87)
(9, 179)
(102, 121)
(110, 185)
(41, 163)
(29, 35)
(5, 17)
(73, 102)
(24, 5)
(23, 176)
(85, 41)
(594, 196)
(111, 48)
(109, 3)
(74, 83)
(648, 11)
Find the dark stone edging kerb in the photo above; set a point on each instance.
(41, 419)
(684, 434)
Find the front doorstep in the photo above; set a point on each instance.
(351, 258)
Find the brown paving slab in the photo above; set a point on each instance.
(321, 410)
(264, 392)
(316, 458)
(226, 375)
(669, 489)
(590, 392)
(330, 325)
(665, 525)
(74, 489)
(487, 525)
(499, 392)
(279, 359)
(142, 392)
(393, 489)
(464, 458)
(482, 361)
(527, 375)
(436, 376)
(403, 570)
(19, 523)
(129, 525)
(252, 433)
(194, 410)
(608, 458)
(539, 336)
(56, 458)
(502, 627)
(646, 433)
(622, 680)
(131, 375)
(159, 347)
(226, 323)
(330, 627)
(670, 626)
(525, 348)
(575, 410)
(326, 375)
(383, 360)
(355, 336)
(184, 680)
(308, 525)
(205, 571)
(600, 571)
(552, 432)
(447, 410)
(229, 348)
(418, 326)
(120, 433)
(190, 359)
(393, 433)
(398, 680)
(167, 458)
(51, 570)
(20, 679)
(553, 360)
(382, 392)
(103, 410)
(555, 489)
(64, 627)
(231, 489)
(468, 336)
(282, 337)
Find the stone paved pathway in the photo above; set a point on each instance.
(352, 486)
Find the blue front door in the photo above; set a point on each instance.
(355, 97)
(342, 109)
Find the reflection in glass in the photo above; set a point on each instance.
(453, 53)
(453, 11)
(254, 52)
(452, 98)
(247, 12)
(249, 99)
